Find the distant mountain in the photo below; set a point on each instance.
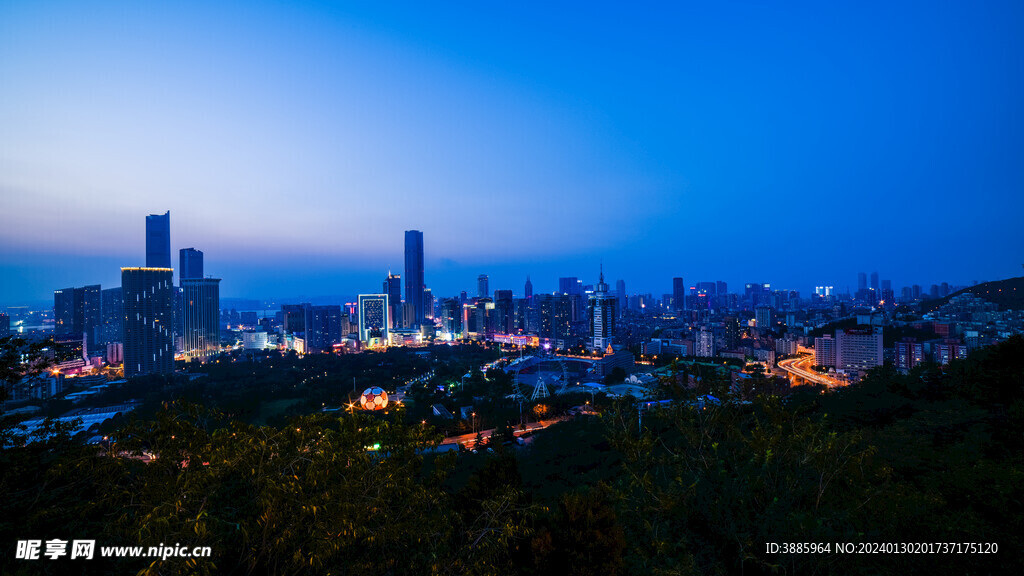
(1008, 294)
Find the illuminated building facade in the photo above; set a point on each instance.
(148, 308)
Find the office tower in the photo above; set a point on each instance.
(190, 264)
(5, 325)
(620, 294)
(451, 316)
(602, 315)
(916, 291)
(408, 316)
(76, 311)
(428, 305)
(158, 240)
(874, 282)
(858, 350)
(64, 311)
(528, 290)
(909, 353)
(705, 343)
(763, 317)
(482, 290)
(554, 315)
(825, 351)
(200, 334)
(721, 289)
(295, 318)
(414, 284)
(678, 294)
(570, 285)
(325, 328)
(373, 313)
(393, 288)
(862, 281)
(504, 312)
(148, 300)
(111, 315)
(731, 332)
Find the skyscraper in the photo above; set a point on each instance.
(482, 288)
(620, 295)
(678, 294)
(528, 290)
(111, 315)
(325, 329)
(874, 282)
(862, 282)
(414, 284)
(190, 264)
(504, 312)
(373, 316)
(602, 315)
(200, 317)
(148, 307)
(76, 311)
(393, 288)
(158, 240)
(763, 316)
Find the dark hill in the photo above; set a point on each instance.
(1008, 294)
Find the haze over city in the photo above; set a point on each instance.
(294, 144)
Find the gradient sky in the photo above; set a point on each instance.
(790, 143)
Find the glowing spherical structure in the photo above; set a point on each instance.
(374, 398)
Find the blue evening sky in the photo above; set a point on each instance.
(790, 143)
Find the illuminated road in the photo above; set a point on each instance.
(801, 367)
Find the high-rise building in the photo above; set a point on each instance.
(858, 350)
(111, 315)
(373, 314)
(5, 325)
(763, 317)
(393, 288)
(528, 290)
(200, 335)
(554, 315)
(295, 318)
(414, 284)
(825, 351)
(190, 264)
(620, 295)
(326, 328)
(158, 241)
(482, 289)
(602, 315)
(76, 311)
(504, 312)
(428, 305)
(678, 294)
(148, 300)
(451, 317)
(874, 282)
(862, 281)
(704, 345)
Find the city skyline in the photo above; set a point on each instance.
(294, 144)
(667, 285)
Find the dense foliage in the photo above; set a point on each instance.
(933, 456)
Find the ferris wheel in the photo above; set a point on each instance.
(551, 365)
